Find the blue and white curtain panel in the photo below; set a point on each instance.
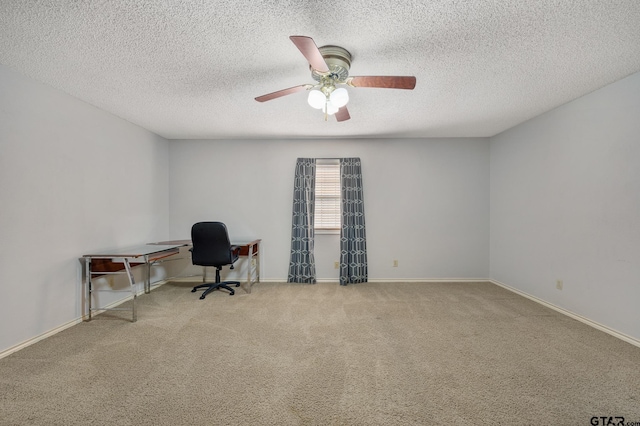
(302, 267)
(353, 240)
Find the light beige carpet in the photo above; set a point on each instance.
(299, 354)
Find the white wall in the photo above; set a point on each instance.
(426, 201)
(73, 179)
(565, 205)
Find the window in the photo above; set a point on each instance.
(327, 215)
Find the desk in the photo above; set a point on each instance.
(250, 250)
(103, 264)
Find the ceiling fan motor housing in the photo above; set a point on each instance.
(338, 60)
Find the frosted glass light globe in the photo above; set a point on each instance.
(316, 99)
(339, 97)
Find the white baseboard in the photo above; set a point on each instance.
(71, 323)
(573, 315)
(429, 280)
(393, 280)
(36, 339)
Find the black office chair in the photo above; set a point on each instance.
(211, 247)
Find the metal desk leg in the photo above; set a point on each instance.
(87, 271)
(249, 268)
(147, 278)
(253, 255)
(258, 264)
(133, 289)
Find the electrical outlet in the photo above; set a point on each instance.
(395, 263)
(559, 284)
(336, 265)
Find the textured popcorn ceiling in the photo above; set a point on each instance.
(191, 69)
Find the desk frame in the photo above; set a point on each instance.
(147, 254)
(250, 250)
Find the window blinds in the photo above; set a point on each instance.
(327, 204)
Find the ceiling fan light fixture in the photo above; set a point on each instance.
(339, 97)
(330, 67)
(316, 99)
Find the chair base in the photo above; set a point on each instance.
(213, 286)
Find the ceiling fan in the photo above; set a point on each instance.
(330, 69)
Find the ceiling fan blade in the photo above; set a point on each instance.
(283, 92)
(308, 47)
(385, 82)
(343, 114)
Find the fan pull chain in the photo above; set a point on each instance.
(326, 110)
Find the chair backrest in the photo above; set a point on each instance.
(211, 246)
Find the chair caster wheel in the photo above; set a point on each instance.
(202, 297)
(231, 294)
(193, 290)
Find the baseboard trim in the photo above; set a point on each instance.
(429, 280)
(394, 280)
(36, 339)
(71, 323)
(631, 340)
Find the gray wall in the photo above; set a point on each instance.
(426, 201)
(73, 179)
(554, 198)
(565, 205)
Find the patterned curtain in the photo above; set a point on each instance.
(302, 266)
(353, 240)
